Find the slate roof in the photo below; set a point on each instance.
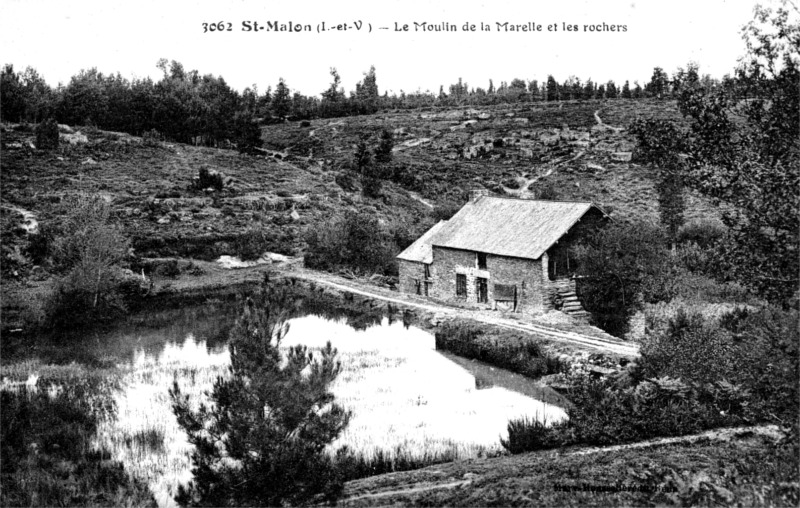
(522, 228)
(421, 251)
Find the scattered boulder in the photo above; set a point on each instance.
(621, 156)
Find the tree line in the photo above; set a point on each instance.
(189, 107)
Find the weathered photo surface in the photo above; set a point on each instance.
(409, 253)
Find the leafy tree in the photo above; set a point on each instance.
(12, 96)
(637, 90)
(247, 133)
(552, 88)
(752, 165)
(355, 242)
(383, 152)
(621, 266)
(89, 250)
(261, 441)
(658, 85)
(367, 92)
(281, 102)
(660, 143)
(611, 90)
(626, 90)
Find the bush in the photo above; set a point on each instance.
(444, 211)
(89, 251)
(620, 267)
(209, 178)
(152, 138)
(355, 242)
(546, 191)
(346, 181)
(529, 434)
(690, 348)
(47, 135)
(251, 245)
(701, 232)
(48, 450)
(510, 352)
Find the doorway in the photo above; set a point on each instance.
(482, 290)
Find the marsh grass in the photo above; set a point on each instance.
(50, 457)
(405, 397)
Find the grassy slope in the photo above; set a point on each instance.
(150, 187)
(746, 471)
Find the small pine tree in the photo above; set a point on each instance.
(47, 135)
(261, 441)
(383, 153)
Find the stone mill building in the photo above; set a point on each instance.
(502, 253)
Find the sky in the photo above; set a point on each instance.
(59, 38)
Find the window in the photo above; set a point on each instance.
(481, 260)
(427, 271)
(461, 284)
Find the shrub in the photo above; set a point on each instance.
(251, 245)
(511, 183)
(209, 178)
(701, 232)
(444, 211)
(510, 352)
(546, 191)
(47, 135)
(383, 152)
(530, 434)
(246, 132)
(262, 439)
(346, 181)
(48, 452)
(371, 187)
(152, 138)
(690, 348)
(355, 242)
(89, 250)
(620, 267)
(169, 269)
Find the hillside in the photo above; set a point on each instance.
(439, 156)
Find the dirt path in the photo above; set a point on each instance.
(601, 342)
(419, 198)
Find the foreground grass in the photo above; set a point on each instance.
(750, 471)
(49, 453)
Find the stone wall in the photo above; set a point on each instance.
(527, 274)
(409, 273)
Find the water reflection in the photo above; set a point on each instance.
(406, 397)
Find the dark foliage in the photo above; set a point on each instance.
(251, 245)
(262, 440)
(704, 233)
(513, 353)
(209, 179)
(383, 152)
(621, 266)
(48, 453)
(354, 242)
(47, 135)
(530, 434)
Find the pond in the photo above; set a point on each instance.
(407, 398)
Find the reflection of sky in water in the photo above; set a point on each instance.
(403, 394)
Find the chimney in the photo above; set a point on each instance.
(474, 194)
